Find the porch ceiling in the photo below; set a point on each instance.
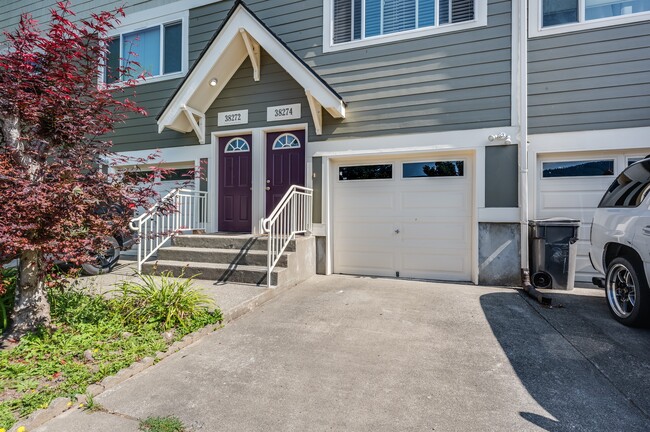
(242, 35)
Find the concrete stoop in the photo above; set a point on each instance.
(234, 259)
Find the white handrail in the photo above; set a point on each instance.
(292, 215)
(189, 211)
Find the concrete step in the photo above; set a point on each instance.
(221, 241)
(225, 256)
(214, 271)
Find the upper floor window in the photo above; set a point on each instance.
(555, 16)
(159, 50)
(363, 22)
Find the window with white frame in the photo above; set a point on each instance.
(553, 16)
(158, 50)
(361, 20)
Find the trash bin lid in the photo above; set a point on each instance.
(556, 221)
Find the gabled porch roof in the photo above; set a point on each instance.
(242, 35)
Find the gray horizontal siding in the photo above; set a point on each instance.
(452, 81)
(10, 11)
(590, 80)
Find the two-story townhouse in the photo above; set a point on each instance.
(404, 116)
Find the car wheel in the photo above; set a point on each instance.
(628, 295)
(105, 260)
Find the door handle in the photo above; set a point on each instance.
(646, 230)
(268, 188)
(268, 181)
(397, 231)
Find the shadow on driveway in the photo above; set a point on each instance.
(586, 370)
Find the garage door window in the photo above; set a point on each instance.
(582, 168)
(366, 172)
(433, 169)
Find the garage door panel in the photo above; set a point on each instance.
(433, 266)
(429, 230)
(374, 263)
(566, 200)
(364, 230)
(366, 200)
(435, 201)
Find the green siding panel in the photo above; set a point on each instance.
(590, 80)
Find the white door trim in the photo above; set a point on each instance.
(258, 147)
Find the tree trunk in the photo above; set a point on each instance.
(31, 307)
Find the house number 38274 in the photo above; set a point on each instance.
(283, 112)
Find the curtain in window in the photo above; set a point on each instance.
(342, 21)
(426, 13)
(143, 47)
(399, 15)
(453, 11)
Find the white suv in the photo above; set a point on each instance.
(620, 244)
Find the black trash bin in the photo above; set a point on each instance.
(553, 252)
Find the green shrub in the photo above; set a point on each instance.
(167, 302)
(9, 277)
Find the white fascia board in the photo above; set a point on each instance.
(608, 139)
(419, 142)
(291, 64)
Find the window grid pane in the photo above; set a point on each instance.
(585, 168)
(173, 50)
(433, 169)
(112, 61)
(366, 172)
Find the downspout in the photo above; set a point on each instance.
(523, 139)
(523, 156)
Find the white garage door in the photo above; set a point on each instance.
(571, 185)
(411, 218)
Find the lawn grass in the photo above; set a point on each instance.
(94, 338)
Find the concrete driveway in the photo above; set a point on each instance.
(346, 353)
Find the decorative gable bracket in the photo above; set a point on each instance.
(197, 120)
(254, 52)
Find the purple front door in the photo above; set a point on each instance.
(285, 165)
(235, 182)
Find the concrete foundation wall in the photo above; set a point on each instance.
(302, 263)
(498, 254)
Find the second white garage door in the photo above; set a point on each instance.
(404, 217)
(571, 185)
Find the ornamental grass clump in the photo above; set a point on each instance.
(164, 301)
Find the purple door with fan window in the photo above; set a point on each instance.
(285, 165)
(235, 183)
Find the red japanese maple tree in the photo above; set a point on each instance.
(54, 118)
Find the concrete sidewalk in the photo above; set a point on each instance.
(361, 354)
